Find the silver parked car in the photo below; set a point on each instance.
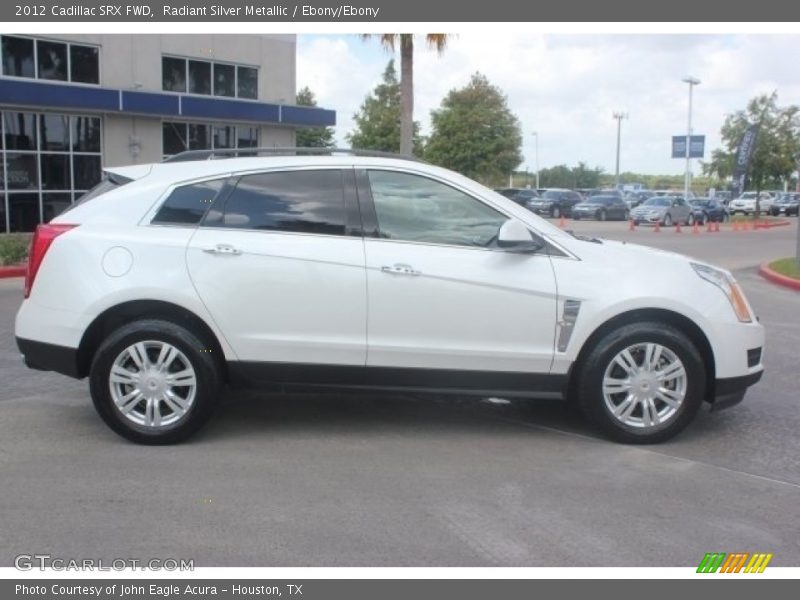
(666, 210)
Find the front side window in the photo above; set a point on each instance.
(418, 209)
(292, 201)
(187, 204)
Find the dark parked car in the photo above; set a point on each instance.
(601, 208)
(518, 195)
(614, 193)
(708, 209)
(554, 202)
(787, 204)
(634, 199)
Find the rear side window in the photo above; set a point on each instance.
(187, 204)
(292, 201)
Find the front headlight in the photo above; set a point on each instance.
(727, 284)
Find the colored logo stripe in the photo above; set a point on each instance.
(734, 562)
(711, 562)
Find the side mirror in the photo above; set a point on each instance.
(515, 237)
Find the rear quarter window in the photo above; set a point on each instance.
(187, 204)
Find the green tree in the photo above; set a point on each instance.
(474, 132)
(378, 120)
(312, 137)
(560, 176)
(408, 128)
(777, 147)
(585, 177)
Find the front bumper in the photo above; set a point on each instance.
(730, 391)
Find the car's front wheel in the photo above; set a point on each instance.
(154, 382)
(555, 212)
(667, 220)
(642, 383)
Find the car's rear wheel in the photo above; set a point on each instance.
(601, 215)
(690, 220)
(154, 382)
(642, 383)
(667, 220)
(555, 212)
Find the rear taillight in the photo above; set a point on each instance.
(42, 238)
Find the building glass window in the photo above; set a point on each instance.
(199, 77)
(173, 74)
(224, 80)
(178, 136)
(247, 82)
(18, 57)
(84, 64)
(47, 160)
(208, 78)
(50, 60)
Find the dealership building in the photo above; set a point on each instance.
(71, 105)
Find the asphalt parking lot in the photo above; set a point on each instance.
(405, 481)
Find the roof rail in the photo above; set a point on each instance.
(222, 153)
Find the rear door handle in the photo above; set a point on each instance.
(223, 249)
(400, 269)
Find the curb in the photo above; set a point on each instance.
(777, 278)
(12, 271)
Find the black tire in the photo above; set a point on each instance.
(690, 220)
(667, 220)
(555, 212)
(591, 371)
(601, 216)
(703, 219)
(207, 369)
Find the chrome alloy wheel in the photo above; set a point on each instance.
(644, 385)
(152, 384)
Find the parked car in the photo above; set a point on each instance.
(612, 192)
(722, 196)
(665, 210)
(602, 208)
(708, 209)
(351, 272)
(554, 202)
(746, 203)
(518, 195)
(634, 199)
(788, 204)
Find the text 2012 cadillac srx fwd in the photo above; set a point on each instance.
(344, 271)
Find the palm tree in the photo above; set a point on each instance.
(437, 41)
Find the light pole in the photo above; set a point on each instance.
(536, 158)
(618, 116)
(692, 81)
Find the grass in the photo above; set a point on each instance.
(13, 248)
(787, 267)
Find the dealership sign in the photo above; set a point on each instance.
(697, 146)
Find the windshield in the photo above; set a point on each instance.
(659, 201)
(551, 195)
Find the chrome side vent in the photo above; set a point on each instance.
(569, 316)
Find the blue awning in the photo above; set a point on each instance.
(64, 96)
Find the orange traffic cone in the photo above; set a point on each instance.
(677, 227)
(695, 228)
(658, 227)
(716, 226)
(562, 222)
(736, 225)
(745, 225)
(709, 227)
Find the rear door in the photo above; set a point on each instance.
(279, 263)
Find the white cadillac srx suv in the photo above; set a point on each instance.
(345, 271)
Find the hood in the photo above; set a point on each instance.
(641, 209)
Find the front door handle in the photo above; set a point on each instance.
(400, 269)
(223, 249)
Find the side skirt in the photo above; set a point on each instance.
(316, 377)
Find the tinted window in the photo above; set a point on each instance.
(52, 59)
(84, 64)
(247, 82)
(297, 201)
(187, 204)
(418, 209)
(20, 130)
(173, 74)
(199, 77)
(224, 80)
(86, 171)
(54, 131)
(18, 57)
(86, 134)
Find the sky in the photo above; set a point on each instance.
(567, 87)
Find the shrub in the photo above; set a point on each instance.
(13, 248)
